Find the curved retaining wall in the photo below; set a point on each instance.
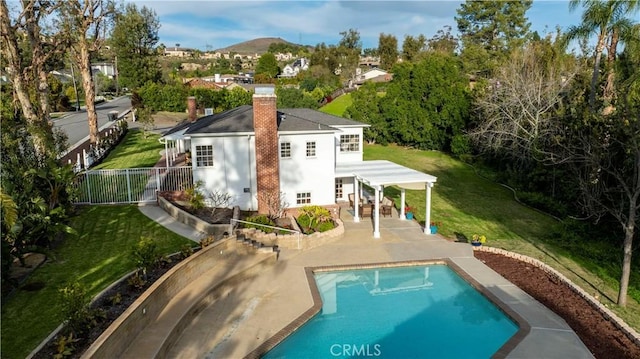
(216, 230)
(296, 241)
(145, 310)
(630, 332)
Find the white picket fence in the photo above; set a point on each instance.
(131, 185)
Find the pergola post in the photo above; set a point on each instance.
(427, 220)
(356, 200)
(402, 214)
(376, 214)
(166, 152)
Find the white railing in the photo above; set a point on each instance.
(279, 229)
(131, 185)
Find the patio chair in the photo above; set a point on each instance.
(352, 198)
(366, 210)
(385, 206)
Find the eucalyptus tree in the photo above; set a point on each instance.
(134, 38)
(85, 23)
(387, 50)
(412, 47)
(610, 21)
(28, 47)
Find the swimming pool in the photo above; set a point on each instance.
(425, 311)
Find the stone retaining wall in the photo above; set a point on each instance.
(296, 241)
(216, 230)
(618, 322)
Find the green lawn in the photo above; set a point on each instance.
(338, 105)
(135, 151)
(466, 204)
(97, 257)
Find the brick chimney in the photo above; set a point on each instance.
(267, 153)
(192, 109)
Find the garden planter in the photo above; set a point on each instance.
(434, 229)
(476, 244)
(409, 215)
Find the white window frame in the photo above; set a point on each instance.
(339, 188)
(311, 149)
(204, 156)
(350, 142)
(285, 152)
(303, 198)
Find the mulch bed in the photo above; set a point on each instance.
(600, 335)
(112, 309)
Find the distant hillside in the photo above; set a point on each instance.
(255, 46)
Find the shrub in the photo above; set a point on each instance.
(136, 281)
(195, 196)
(204, 242)
(145, 254)
(75, 308)
(543, 203)
(315, 219)
(259, 222)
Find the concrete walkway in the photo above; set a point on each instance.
(256, 309)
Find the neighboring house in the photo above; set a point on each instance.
(292, 70)
(255, 153)
(373, 75)
(105, 68)
(178, 51)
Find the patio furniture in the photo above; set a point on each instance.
(385, 206)
(365, 210)
(352, 199)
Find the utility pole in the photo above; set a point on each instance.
(116, 76)
(75, 88)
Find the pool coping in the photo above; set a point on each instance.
(524, 328)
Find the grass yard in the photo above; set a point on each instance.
(135, 151)
(338, 105)
(468, 204)
(97, 257)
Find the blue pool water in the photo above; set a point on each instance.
(403, 312)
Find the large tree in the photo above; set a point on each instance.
(268, 66)
(85, 22)
(518, 112)
(496, 27)
(387, 50)
(134, 38)
(412, 47)
(427, 103)
(27, 49)
(611, 22)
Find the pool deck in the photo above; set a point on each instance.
(245, 316)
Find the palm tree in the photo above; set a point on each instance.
(611, 23)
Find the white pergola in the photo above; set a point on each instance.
(380, 173)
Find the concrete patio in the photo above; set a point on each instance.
(246, 315)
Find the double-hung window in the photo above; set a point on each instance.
(349, 143)
(204, 156)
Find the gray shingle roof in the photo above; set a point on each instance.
(240, 119)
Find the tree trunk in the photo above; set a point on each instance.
(596, 71)
(19, 81)
(629, 231)
(84, 65)
(609, 93)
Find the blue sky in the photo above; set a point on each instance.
(213, 24)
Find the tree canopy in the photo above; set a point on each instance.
(134, 39)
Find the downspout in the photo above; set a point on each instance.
(250, 178)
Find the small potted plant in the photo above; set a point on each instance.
(408, 210)
(478, 240)
(434, 226)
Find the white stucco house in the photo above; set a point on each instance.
(308, 156)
